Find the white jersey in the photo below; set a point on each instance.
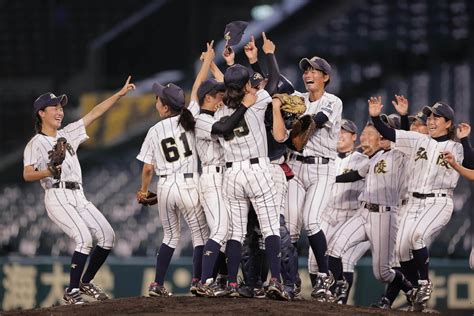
(430, 173)
(384, 178)
(344, 196)
(249, 138)
(324, 141)
(208, 147)
(169, 148)
(36, 153)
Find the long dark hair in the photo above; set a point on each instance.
(452, 132)
(186, 119)
(233, 97)
(38, 123)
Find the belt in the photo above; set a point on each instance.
(429, 195)
(67, 185)
(185, 175)
(253, 161)
(310, 159)
(376, 207)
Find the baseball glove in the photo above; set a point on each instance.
(56, 157)
(146, 198)
(303, 128)
(291, 103)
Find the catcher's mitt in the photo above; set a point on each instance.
(56, 157)
(303, 128)
(146, 198)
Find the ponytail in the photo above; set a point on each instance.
(186, 119)
(452, 132)
(233, 97)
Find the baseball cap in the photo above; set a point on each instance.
(208, 86)
(420, 116)
(255, 79)
(349, 126)
(233, 32)
(392, 120)
(440, 109)
(170, 95)
(285, 85)
(236, 76)
(317, 63)
(48, 99)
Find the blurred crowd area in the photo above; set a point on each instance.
(419, 48)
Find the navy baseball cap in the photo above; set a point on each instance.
(316, 63)
(392, 120)
(233, 32)
(420, 116)
(208, 86)
(236, 76)
(349, 126)
(440, 109)
(255, 79)
(285, 85)
(48, 99)
(170, 95)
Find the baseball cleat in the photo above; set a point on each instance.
(93, 290)
(156, 290)
(73, 297)
(276, 291)
(321, 292)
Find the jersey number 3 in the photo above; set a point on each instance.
(170, 148)
(241, 130)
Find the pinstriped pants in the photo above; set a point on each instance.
(380, 229)
(178, 195)
(332, 220)
(79, 219)
(308, 194)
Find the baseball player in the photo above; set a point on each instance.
(308, 191)
(342, 205)
(246, 177)
(376, 219)
(65, 202)
(169, 150)
(431, 185)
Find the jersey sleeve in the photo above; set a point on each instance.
(332, 108)
(30, 155)
(458, 152)
(263, 98)
(405, 141)
(203, 126)
(194, 108)
(364, 168)
(76, 133)
(147, 151)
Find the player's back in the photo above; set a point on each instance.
(171, 148)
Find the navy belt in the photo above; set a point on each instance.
(252, 161)
(429, 195)
(185, 175)
(67, 185)
(376, 207)
(311, 159)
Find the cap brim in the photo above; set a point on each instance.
(305, 63)
(348, 129)
(62, 99)
(158, 89)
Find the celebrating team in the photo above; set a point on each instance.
(227, 156)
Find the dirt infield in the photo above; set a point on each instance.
(203, 306)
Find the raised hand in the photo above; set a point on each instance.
(229, 55)
(375, 106)
(251, 50)
(401, 104)
(209, 54)
(463, 130)
(268, 46)
(127, 87)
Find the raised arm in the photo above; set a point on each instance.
(203, 72)
(273, 70)
(401, 105)
(375, 109)
(462, 132)
(104, 106)
(216, 72)
(465, 172)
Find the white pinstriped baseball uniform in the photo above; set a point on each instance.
(69, 209)
(424, 217)
(247, 175)
(308, 191)
(383, 185)
(211, 154)
(342, 205)
(172, 152)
